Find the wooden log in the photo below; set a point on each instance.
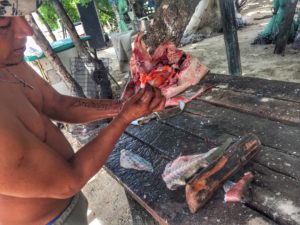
(205, 184)
(285, 26)
(230, 37)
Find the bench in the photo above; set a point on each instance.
(234, 107)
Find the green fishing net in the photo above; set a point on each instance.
(271, 30)
(122, 8)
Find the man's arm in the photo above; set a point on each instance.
(31, 169)
(73, 109)
(77, 110)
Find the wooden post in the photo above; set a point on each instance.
(285, 26)
(230, 37)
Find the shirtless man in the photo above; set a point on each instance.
(40, 175)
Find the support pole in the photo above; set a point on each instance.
(230, 37)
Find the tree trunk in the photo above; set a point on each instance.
(54, 59)
(80, 46)
(205, 19)
(170, 21)
(47, 26)
(296, 44)
(158, 2)
(239, 4)
(100, 75)
(285, 26)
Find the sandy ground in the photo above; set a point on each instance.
(108, 204)
(256, 60)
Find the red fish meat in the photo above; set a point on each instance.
(170, 69)
(236, 193)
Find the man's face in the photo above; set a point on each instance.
(13, 33)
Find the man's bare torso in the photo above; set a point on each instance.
(25, 104)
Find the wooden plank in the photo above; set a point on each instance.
(274, 109)
(276, 195)
(285, 26)
(145, 187)
(273, 134)
(279, 162)
(259, 87)
(277, 168)
(230, 37)
(168, 141)
(169, 207)
(269, 157)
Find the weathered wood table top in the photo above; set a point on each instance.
(234, 107)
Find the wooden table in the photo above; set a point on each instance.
(234, 107)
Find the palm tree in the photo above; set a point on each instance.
(100, 74)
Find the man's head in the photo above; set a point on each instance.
(14, 29)
(13, 33)
(18, 7)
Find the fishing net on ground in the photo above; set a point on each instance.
(271, 30)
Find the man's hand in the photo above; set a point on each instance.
(144, 102)
(128, 91)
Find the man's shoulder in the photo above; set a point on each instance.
(27, 72)
(38, 81)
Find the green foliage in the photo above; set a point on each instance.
(49, 14)
(71, 8)
(105, 12)
(83, 2)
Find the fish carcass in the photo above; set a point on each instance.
(237, 192)
(130, 160)
(178, 171)
(170, 69)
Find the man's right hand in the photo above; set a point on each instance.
(144, 102)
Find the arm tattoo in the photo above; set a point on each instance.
(94, 104)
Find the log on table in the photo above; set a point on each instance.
(204, 184)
